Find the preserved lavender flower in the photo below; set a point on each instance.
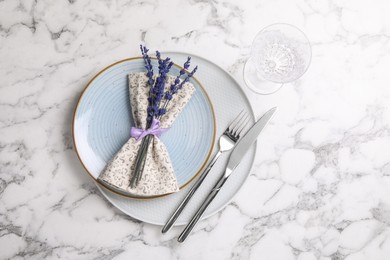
(156, 94)
(148, 65)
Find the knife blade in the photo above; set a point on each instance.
(236, 156)
(242, 147)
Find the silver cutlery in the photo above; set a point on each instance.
(236, 156)
(226, 142)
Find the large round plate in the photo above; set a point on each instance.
(228, 100)
(102, 123)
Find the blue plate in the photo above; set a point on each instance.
(102, 123)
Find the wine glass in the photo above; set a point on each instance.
(280, 53)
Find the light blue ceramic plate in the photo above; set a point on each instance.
(102, 123)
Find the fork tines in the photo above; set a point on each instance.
(239, 123)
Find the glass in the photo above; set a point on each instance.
(280, 53)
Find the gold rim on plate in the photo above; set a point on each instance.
(110, 189)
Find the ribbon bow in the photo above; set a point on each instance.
(154, 129)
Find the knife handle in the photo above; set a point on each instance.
(187, 230)
(189, 195)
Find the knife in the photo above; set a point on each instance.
(235, 158)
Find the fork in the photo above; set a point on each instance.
(226, 142)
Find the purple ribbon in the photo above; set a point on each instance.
(154, 129)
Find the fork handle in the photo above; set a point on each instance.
(189, 195)
(187, 230)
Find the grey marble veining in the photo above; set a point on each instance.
(320, 185)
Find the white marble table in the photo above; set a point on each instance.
(320, 187)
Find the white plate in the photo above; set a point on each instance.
(228, 100)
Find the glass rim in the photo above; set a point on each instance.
(296, 28)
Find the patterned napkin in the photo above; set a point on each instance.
(158, 177)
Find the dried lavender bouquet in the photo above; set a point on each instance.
(158, 100)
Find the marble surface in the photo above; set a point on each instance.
(320, 187)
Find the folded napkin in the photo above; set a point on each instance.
(158, 177)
